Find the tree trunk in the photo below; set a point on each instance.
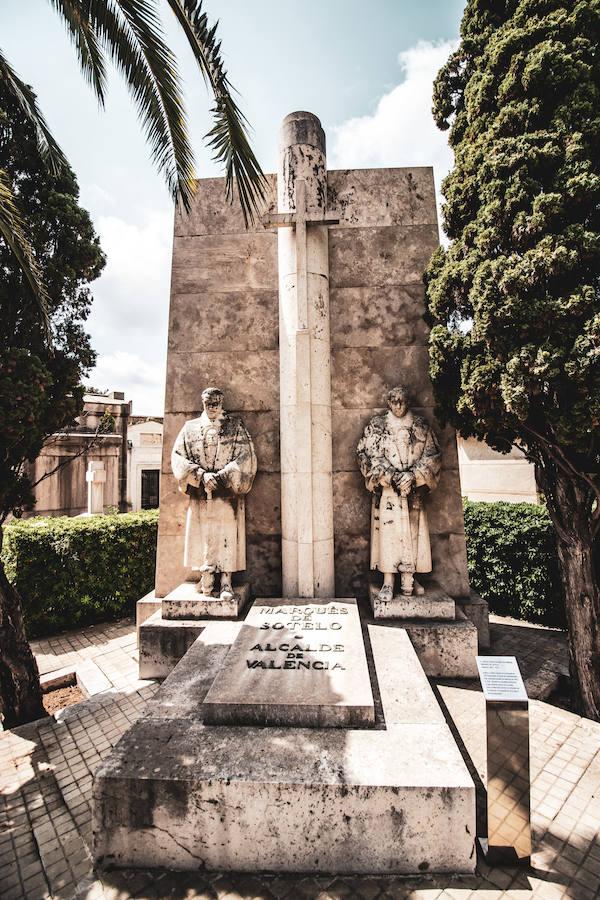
(20, 691)
(569, 507)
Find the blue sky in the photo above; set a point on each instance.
(364, 69)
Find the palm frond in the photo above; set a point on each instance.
(12, 229)
(229, 136)
(91, 58)
(129, 32)
(26, 100)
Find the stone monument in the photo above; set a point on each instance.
(302, 735)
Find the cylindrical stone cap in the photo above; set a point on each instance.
(302, 128)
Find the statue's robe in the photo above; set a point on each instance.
(215, 533)
(399, 530)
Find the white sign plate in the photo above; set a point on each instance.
(500, 678)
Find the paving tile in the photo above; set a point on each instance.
(45, 772)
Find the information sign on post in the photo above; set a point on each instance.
(508, 779)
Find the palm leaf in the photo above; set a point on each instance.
(91, 58)
(129, 33)
(229, 136)
(25, 99)
(12, 229)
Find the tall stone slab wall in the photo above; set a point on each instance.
(223, 331)
(377, 255)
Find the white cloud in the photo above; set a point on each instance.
(129, 316)
(142, 380)
(401, 131)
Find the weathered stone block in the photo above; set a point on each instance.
(389, 316)
(380, 256)
(250, 380)
(433, 604)
(223, 263)
(163, 642)
(360, 377)
(382, 197)
(445, 649)
(178, 793)
(186, 603)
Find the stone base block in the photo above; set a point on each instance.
(445, 649)
(433, 604)
(163, 642)
(477, 611)
(179, 793)
(186, 603)
(145, 608)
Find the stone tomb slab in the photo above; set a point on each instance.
(433, 604)
(295, 662)
(186, 603)
(179, 793)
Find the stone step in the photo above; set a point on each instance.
(179, 793)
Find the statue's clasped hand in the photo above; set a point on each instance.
(403, 483)
(210, 481)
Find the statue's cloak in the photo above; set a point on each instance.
(399, 529)
(215, 534)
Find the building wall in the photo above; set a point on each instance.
(488, 475)
(144, 442)
(223, 331)
(64, 493)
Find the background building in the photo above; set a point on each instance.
(488, 475)
(144, 449)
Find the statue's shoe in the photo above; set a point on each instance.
(386, 594)
(227, 594)
(418, 588)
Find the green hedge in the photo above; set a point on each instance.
(77, 571)
(512, 560)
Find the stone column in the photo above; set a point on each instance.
(96, 479)
(304, 347)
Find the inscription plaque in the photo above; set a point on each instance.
(295, 662)
(500, 678)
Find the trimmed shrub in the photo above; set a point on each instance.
(512, 559)
(76, 571)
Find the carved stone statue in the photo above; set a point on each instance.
(214, 462)
(400, 460)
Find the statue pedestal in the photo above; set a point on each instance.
(185, 602)
(445, 640)
(433, 604)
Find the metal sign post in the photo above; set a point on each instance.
(508, 778)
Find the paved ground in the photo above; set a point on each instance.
(46, 774)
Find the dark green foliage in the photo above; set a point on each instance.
(76, 571)
(511, 550)
(40, 385)
(522, 99)
(514, 301)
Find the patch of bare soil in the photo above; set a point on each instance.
(61, 697)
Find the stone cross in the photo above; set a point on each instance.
(304, 348)
(96, 479)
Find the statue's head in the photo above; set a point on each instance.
(398, 399)
(212, 401)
